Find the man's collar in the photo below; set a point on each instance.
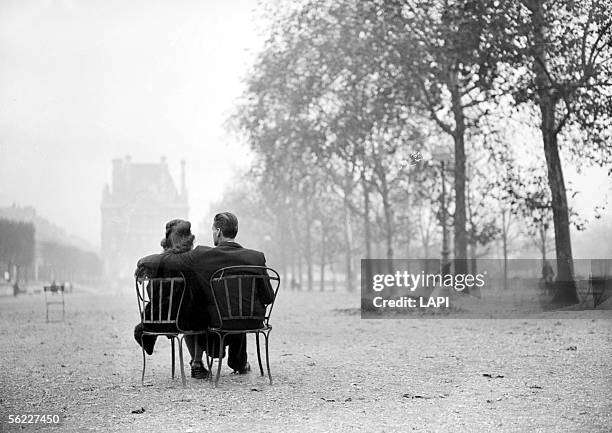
(229, 244)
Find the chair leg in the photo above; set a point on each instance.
(144, 360)
(267, 335)
(209, 364)
(180, 339)
(209, 359)
(258, 353)
(221, 347)
(172, 344)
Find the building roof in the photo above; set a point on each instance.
(143, 182)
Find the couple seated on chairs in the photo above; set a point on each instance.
(198, 309)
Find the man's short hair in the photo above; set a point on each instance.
(227, 223)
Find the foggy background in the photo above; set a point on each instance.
(82, 83)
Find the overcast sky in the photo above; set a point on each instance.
(83, 82)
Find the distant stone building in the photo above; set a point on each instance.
(135, 209)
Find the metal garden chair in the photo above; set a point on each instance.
(54, 294)
(159, 304)
(235, 294)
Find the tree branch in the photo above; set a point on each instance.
(430, 106)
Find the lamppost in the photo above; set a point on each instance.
(442, 154)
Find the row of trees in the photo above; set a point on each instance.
(68, 263)
(17, 245)
(18, 254)
(355, 110)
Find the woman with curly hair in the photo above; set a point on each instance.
(193, 316)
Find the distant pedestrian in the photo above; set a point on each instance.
(548, 276)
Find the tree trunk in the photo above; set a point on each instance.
(472, 265)
(548, 98)
(459, 139)
(566, 290)
(299, 276)
(322, 265)
(309, 251)
(283, 254)
(366, 217)
(425, 234)
(348, 244)
(446, 265)
(505, 248)
(377, 250)
(388, 213)
(366, 226)
(333, 275)
(472, 246)
(293, 271)
(408, 251)
(543, 239)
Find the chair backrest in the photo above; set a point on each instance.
(237, 293)
(54, 288)
(159, 299)
(51, 292)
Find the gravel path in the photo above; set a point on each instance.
(332, 371)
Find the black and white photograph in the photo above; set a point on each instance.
(306, 216)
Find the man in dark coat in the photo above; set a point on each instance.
(203, 262)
